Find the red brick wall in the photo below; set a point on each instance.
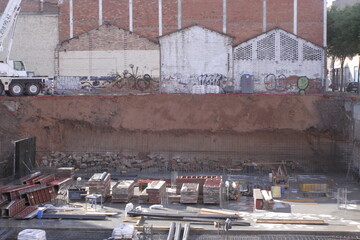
(208, 13)
(49, 6)
(145, 18)
(116, 12)
(280, 13)
(64, 22)
(244, 17)
(310, 19)
(86, 15)
(170, 16)
(108, 37)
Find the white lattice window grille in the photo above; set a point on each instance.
(289, 48)
(311, 54)
(243, 53)
(266, 48)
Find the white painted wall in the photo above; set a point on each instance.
(350, 63)
(291, 69)
(103, 63)
(192, 52)
(35, 40)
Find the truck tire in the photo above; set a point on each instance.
(32, 89)
(16, 89)
(1, 89)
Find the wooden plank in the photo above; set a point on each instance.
(131, 219)
(292, 221)
(213, 211)
(165, 228)
(101, 213)
(300, 203)
(299, 200)
(140, 221)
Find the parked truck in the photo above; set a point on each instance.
(14, 79)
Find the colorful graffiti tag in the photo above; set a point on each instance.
(302, 84)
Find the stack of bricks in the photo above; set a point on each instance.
(193, 179)
(123, 191)
(99, 183)
(189, 193)
(156, 191)
(212, 191)
(143, 197)
(65, 172)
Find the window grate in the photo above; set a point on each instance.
(266, 48)
(289, 48)
(243, 53)
(311, 54)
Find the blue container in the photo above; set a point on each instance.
(282, 192)
(40, 214)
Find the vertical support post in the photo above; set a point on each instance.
(224, 15)
(160, 18)
(71, 17)
(325, 24)
(41, 5)
(100, 12)
(325, 45)
(179, 14)
(131, 27)
(264, 16)
(295, 16)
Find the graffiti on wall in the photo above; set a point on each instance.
(279, 83)
(178, 82)
(302, 84)
(210, 79)
(129, 80)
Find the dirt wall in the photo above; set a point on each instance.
(309, 131)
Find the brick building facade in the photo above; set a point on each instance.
(243, 19)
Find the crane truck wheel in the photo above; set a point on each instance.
(32, 89)
(16, 89)
(1, 89)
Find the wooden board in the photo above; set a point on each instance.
(213, 211)
(292, 221)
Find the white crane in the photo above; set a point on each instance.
(13, 76)
(7, 25)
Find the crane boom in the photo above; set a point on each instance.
(8, 20)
